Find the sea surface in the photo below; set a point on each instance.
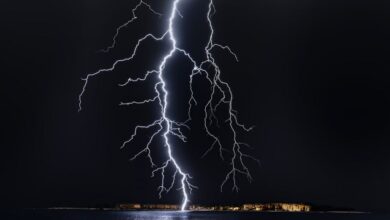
(173, 215)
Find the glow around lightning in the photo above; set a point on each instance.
(221, 97)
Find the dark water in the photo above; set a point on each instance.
(171, 215)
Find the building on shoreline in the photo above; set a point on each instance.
(279, 207)
(147, 207)
(128, 206)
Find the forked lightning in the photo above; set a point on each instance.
(221, 97)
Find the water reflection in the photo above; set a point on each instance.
(158, 215)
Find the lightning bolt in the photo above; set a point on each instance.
(167, 128)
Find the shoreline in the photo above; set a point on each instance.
(192, 211)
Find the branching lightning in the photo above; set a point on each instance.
(221, 95)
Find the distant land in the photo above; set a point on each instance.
(250, 207)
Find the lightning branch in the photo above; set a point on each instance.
(221, 97)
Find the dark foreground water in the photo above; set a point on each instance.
(171, 215)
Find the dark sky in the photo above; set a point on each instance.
(313, 78)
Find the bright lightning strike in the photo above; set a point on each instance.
(166, 127)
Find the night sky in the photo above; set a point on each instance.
(313, 78)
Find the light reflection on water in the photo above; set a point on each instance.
(158, 215)
(177, 215)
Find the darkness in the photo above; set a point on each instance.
(313, 78)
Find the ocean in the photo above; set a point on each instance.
(173, 215)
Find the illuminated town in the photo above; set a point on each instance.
(257, 207)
